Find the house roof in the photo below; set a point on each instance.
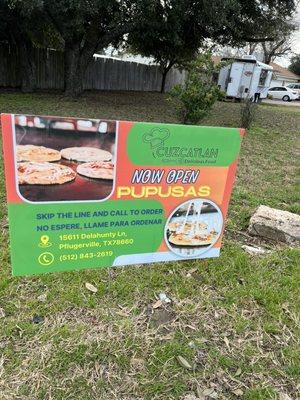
(284, 71)
(276, 69)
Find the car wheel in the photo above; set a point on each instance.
(286, 98)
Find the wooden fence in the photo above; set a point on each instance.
(102, 73)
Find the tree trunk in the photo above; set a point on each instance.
(28, 67)
(165, 70)
(73, 85)
(267, 58)
(252, 47)
(267, 54)
(76, 62)
(163, 80)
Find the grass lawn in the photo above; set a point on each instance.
(235, 319)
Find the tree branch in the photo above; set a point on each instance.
(258, 40)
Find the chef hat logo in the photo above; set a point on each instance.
(156, 137)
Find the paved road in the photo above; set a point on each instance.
(295, 103)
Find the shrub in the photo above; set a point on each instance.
(248, 109)
(194, 99)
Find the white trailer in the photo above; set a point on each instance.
(245, 78)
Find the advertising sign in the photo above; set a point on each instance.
(91, 193)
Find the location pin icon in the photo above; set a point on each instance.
(44, 240)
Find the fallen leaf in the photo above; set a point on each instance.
(284, 396)
(164, 298)
(286, 306)
(210, 393)
(238, 372)
(184, 363)
(157, 304)
(200, 393)
(91, 287)
(2, 313)
(42, 297)
(226, 342)
(255, 250)
(122, 314)
(238, 392)
(190, 397)
(193, 270)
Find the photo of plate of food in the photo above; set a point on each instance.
(193, 227)
(64, 159)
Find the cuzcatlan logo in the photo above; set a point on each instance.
(156, 138)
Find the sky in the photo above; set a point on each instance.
(285, 61)
(296, 48)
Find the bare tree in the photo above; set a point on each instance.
(280, 44)
(277, 48)
(277, 45)
(252, 47)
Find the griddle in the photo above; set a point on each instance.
(82, 188)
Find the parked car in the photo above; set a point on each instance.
(283, 93)
(295, 88)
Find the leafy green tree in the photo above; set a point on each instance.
(295, 64)
(171, 31)
(24, 26)
(194, 99)
(166, 31)
(79, 27)
(255, 21)
(87, 26)
(17, 31)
